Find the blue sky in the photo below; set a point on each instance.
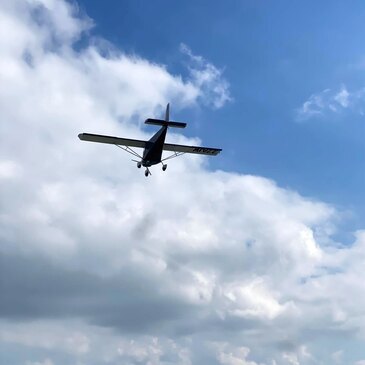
(274, 55)
(253, 257)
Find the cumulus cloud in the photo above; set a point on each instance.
(227, 355)
(291, 359)
(101, 265)
(331, 102)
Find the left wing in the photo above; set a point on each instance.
(142, 144)
(112, 140)
(191, 149)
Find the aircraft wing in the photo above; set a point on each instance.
(112, 140)
(191, 149)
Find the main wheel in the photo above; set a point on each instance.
(139, 165)
(164, 167)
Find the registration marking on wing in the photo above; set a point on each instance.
(192, 149)
(209, 151)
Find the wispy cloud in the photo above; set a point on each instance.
(330, 102)
(208, 78)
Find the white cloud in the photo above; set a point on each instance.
(329, 102)
(291, 359)
(337, 356)
(342, 97)
(107, 265)
(100, 345)
(9, 169)
(214, 89)
(228, 355)
(252, 299)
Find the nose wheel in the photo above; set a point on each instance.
(147, 172)
(164, 167)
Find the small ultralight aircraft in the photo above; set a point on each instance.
(153, 148)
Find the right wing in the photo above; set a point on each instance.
(112, 140)
(191, 149)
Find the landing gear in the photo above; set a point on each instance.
(146, 173)
(139, 164)
(164, 167)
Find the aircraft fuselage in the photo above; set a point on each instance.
(153, 152)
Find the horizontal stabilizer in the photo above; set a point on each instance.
(164, 123)
(112, 140)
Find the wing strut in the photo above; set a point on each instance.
(129, 150)
(175, 154)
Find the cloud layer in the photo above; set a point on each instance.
(191, 266)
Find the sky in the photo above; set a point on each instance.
(275, 56)
(253, 257)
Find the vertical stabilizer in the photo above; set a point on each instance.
(167, 115)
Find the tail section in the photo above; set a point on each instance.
(167, 121)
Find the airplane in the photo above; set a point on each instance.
(153, 148)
